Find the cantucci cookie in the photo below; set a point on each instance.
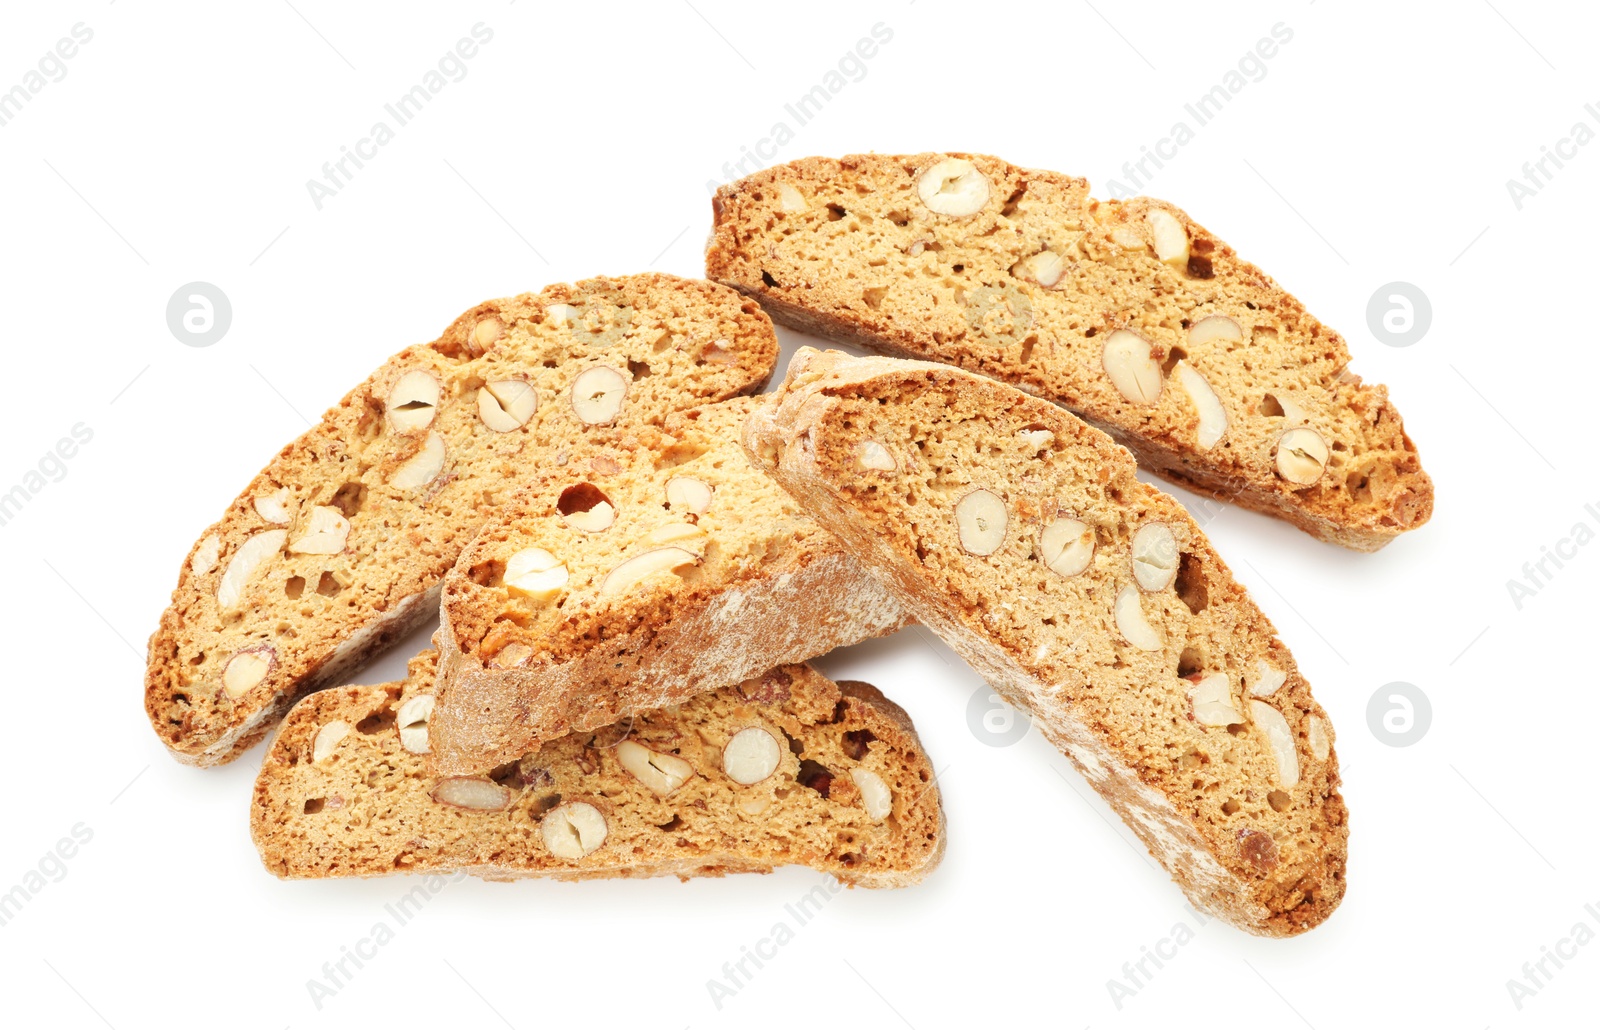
(338, 546)
(786, 768)
(635, 580)
(1021, 536)
(1129, 314)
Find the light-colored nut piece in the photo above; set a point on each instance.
(1134, 365)
(562, 314)
(871, 454)
(876, 797)
(719, 352)
(536, 573)
(1044, 268)
(754, 804)
(751, 756)
(597, 395)
(1268, 679)
(413, 401)
(412, 719)
(640, 567)
(507, 404)
(477, 793)
(1213, 419)
(1155, 556)
(1172, 242)
(1035, 440)
(512, 656)
(688, 492)
(586, 508)
(662, 773)
(244, 563)
(981, 522)
(674, 532)
(327, 738)
(1276, 728)
(1067, 547)
(1211, 701)
(205, 555)
(246, 669)
(789, 198)
(1317, 736)
(953, 187)
(274, 507)
(325, 532)
(1131, 621)
(573, 831)
(1125, 236)
(422, 467)
(595, 520)
(1215, 327)
(1302, 455)
(485, 333)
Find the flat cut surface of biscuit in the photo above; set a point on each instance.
(1128, 313)
(850, 791)
(1021, 536)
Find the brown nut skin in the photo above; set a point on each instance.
(1258, 849)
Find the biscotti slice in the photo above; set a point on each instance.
(634, 580)
(1130, 314)
(786, 768)
(1021, 536)
(337, 547)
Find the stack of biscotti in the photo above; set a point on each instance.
(1021, 536)
(338, 547)
(785, 768)
(631, 558)
(1130, 314)
(605, 407)
(634, 580)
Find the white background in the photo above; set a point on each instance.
(1375, 149)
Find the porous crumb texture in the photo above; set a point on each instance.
(665, 567)
(1130, 314)
(340, 795)
(1023, 538)
(338, 546)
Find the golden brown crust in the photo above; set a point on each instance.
(847, 250)
(405, 489)
(1261, 847)
(767, 587)
(367, 808)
